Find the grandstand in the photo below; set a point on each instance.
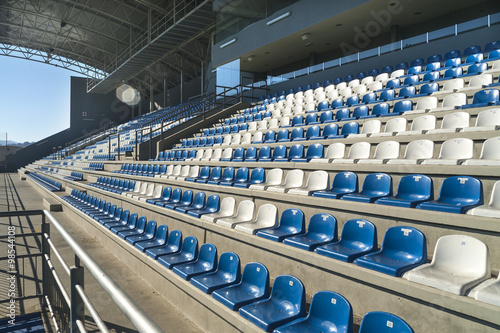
(329, 178)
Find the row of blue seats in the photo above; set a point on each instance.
(114, 185)
(45, 182)
(280, 309)
(491, 47)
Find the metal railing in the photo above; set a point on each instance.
(67, 310)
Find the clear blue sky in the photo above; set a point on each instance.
(34, 99)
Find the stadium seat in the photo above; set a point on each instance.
(459, 263)
(266, 217)
(392, 127)
(357, 151)
(359, 237)
(383, 152)
(171, 245)
(215, 176)
(316, 181)
(293, 179)
(421, 125)
(412, 190)
(487, 292)
(148, 234)
(457, 195)
(343, 183)
(403, 248)
(287, 302)
(206, 262)
(203, 175)
(333, 151)
(227, 273)
(295, 151)
(348, 128)
(244, 213)
(453, 152)
(453, 122)
(313, 151)
(322, 229)
(291, 223)
(369, 127)
(186, 200)
(226, 210)
(383, 322)
(198, 202)
(490, 153)
(188, 253)
(329, 312)
(375, 186)
(485, 97)
(487, 120)
(254, 286)
(139, 228)
(425, 104)
(492, 209)
(212, 205)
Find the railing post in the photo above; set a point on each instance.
(135, 157)
(118, 138)
(150, 141)
(77, 311)
(45, 253)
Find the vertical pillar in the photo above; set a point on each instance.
(202, 78)
(182, 81)
(151, 97)
(46, 274)
(77, 311)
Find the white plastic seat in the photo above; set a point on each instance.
(285, 121)
(368, 128)
(217, 154)
(353, 83)
(142, 191)
(346, 92)
(367, 80)
(341, 86)
(358, 150)
(490, 153)
(495, 67)
(329, 88)
(244, 213)
(298, 101)
(492, 209)
(309, 99)
(334, 150)
(316, 181)
(382, 77)
(487, 292)
(298, 109)
(176, 172)
(227, 140)
(319, 90)
(207, 154)
(267, 217)
(289, 102)
(319, 97)
(246, 139)
(137, 188)
(453, 85)
(452, 100)
(487, 120)
(416, 151)
(479, 81)
(199, 155)
(226, 210)
(299, 94)
(252, 126)
(459, 263)
(420, 125)
(425, 104)
(154, 195)
(257, 137)
(453, 122)
(184, 172)
(294, 178)
(359, 90)
(383, 152)
(392, 127)
(168, 172)
(310, 107)
(227, 153)
(262, 125)
(332, 94)
(290, 96)
(273, 177)
(235, 140)
(453, 151)
(270, 107)
(276, 113)
(374, 86)
(273, 123)
(397, 73)
(194, 170)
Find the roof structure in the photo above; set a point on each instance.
(145, 43)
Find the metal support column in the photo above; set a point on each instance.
(45, 254)
(77, 312)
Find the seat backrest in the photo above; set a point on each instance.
(486, 96)
(251, 152)
(359, 232)
(294, 178)
(383, 322)
(427, 103)
(241, 174)
(423, 123)
(463, 189)
(402, 106)
(350, 128)
(227, 206)
(461, 255)
(335, 150)
(379, 183)
(346, 181)
(330, 129)
(245, 210)
(274, 176)
(360, 111)
(267, 214)
(229, 266)
(204, 172)
(323, 224)
(317, 180)
(404, 243)
(296, 151)
(213, 202)
(478, 81)
(185, 170)
(257, 137)
(269, 136)
(255, 279)
(331, 307)
(176, 195)
(488, 118)
(386, 95)
(228, 173)
(387, 149)
(297, 133)
(491, 149)
(342, 113)
(460, 148)
(208, 255)
(312, 131)
(227, 153)
(359, 150)
(187, 196)
(292, 218)
(395, 125)
(150, 228)
(190, 246)
(411, 186)
(315, 151)
(258, 175)
(381, 108)
(199, 199)
(279, 151)
(495, 196)
(371, 126)
(288, 294)
(456, 120)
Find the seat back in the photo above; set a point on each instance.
(207, 256)
(460, 148)
(257, 137)
(274, 176)
(315, 151)
(331, 307)
(427, 103)
(360, 111)
(423, 123)
(386, 95)
(415, 187)
(150, 229)
(359, 150)
(359, 234)
(279, 151)
(461, 255)
(296, 151)
(238, 153)
(251, 152)
(386, 150)
(322, 225)
(312, 131)
(255, 279)
(383, 322)
(371, 126)
(330, 129)
(229, 266)
(335, 150)
(194, 171)
(478, 81)
(491, 149)
(204, 172)
(176, 195)
(395, 125)
(241, 174)
(379, 109)
(456, 120)
(228, 174)
(495, 196)
(349, 128)
(342, 113)
(293, 220)
(185, 170)
(294, 178)
(486, 96)
(190, 246)
(429, 88)
(345, 182)
(405, 244)
(227, 153)
(217, 154)
(461, 189)
(245, 210)
(187, 197)
(402, 106)
(488, 118)
(267, 214)
(215, 173)
(199, 199)
(317, 180)
(258, 175)
(288, 294)
(161, 233)
(270, 136)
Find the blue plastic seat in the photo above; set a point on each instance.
(226, 176)
(313, 151)
(329, 312)
(323, 105)
(250, 154)
(359, 237)
(329, 131)
(369, 98)
(360, 75)
(286, 303)
(342, 114)
(387, 95)
(403, 248)
(407, 92)
(487, 97)
(387, 69)
(311, 119)
(401, 65)
(240, 177)
(401, 106)
(264, 154)
(148, 234)
(383, 322)
(206, 262)
(492, 46)
(322, 229)
(393, 83)
(295, 151)
(474, 58)
(337, 103)
(202, 176)
(412, 190)
(159, 239)
(186, 200)
(373, 72)
(411, 80)
(228, 273)
(270, 137)
(429, 88)
(476, 69)
(174, 198)
(414, 70)
(379, 110)
(172, 245)
(197, 203)
(165, 196)
(212, 205)
(430, 77)
(493, 55)
(351, 127)
(297, 120)
(352, 100)
(139, 228)
(282, 136)
(452, 73)
(114, 218)
(292, 222)
(215, 174)
(188, 252)
(238, 155)
(279, 152)
(254, 286)
(348, 78)
(121, 222)
(343, 183)
(457, 195)
(452, 54)
(297, 134)
(417, 62)
(375, 186)
(433, 66)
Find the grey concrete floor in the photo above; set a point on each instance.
(16, 194)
